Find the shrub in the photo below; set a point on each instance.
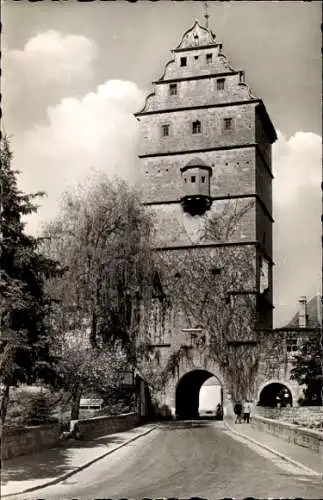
(39, 410)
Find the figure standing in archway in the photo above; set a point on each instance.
(246, 411)
(238, 412)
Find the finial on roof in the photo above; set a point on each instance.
(206, 15)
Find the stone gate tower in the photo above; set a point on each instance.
(206, 142)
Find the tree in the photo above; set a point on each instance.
(102, 238)
(24, 344)
(214, 290)
(307, 369)
(84, 368)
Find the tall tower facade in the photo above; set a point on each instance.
(205, 144)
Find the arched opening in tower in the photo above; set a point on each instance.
(188, 392)
(275, 395)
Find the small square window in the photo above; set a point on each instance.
(208, 58)
(203, 179)
(196, 58)
(183, 61)
(192, 178)
(227, 123)
(173, 89)
(165, 130)
(220, 84)
(196, 127)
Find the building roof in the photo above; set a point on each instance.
(313, 320)
(196, 162)
(196, 36)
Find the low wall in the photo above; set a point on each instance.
(27, 440)
(302, 415)
(292, 433)
(100, 426)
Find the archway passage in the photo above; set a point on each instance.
(275, 395)
(187, 394)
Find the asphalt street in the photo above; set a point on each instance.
(185, 459)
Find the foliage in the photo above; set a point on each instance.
(24, 346)
(102, 237)
(39, 409)
(21, 400)
(214, 289)
(118, 400)
(86, 369)
(94, 368)
(307, 370)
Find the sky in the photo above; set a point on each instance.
(74, 74)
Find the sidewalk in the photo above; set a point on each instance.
(51, 466)
(299, 454)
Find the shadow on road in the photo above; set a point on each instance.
(184, 424)
(53, 462)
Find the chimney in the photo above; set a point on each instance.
(302, 315)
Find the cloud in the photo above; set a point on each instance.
(50, 57)
(297, 206)
(81, 136)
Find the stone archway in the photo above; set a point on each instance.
(196, 362)
(274, 394)
(187, 393)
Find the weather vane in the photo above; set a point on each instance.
(206, 15)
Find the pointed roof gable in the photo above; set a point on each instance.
(196, 36)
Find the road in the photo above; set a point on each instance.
(185, 459)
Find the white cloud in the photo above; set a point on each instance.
(95, 133)
(297, 206)
(50, 57)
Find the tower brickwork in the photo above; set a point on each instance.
(206, 143)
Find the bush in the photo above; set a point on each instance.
(39, 410)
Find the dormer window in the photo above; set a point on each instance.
(183, 61)
(165, 130)
(173, 89)
(208, 58)
(220, 84)
(196, 127)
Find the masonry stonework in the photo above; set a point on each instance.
(202, 112)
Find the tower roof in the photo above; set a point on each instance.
(196, 162)
(196, 36)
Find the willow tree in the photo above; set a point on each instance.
(213, 289)
(102, 238)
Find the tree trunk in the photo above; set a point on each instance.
(4, 407)
(93, 330)
(76, 399)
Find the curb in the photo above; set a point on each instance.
(274, 452)
(81, 467)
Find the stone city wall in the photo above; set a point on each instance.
(28, 440)
(307, 438)
(299, 415)
(103, 425)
